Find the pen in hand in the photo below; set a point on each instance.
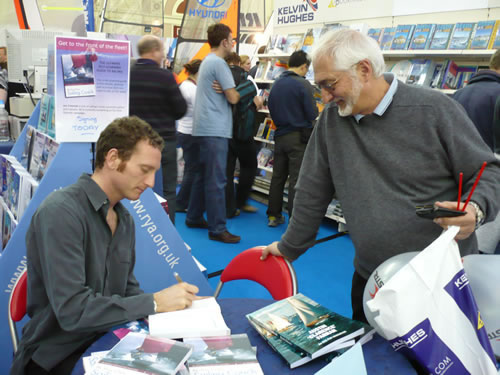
(177, 277)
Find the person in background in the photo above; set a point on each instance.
(242, 150)
(4, 87)
(384, 147)
(155, 97)
(254, 68)
(212, 127)
(190, 149)
(479, 99)
(293, 110)
(80, 249)
(245, 63)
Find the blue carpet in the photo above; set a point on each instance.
(324, 272)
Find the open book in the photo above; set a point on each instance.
(202, 319)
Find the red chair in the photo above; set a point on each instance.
(276, 274)
(17, 306)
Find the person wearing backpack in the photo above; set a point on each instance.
(242, 145)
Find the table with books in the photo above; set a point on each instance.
(379, 357)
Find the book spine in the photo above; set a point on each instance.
(430, 36)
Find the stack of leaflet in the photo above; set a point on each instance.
(300, 329)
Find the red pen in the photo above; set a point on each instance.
(460, 190)
(474, 186)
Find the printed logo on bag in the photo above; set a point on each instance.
(480, 323)
(412, 340)
(378, 284)
(372, 295)
(443, 366)
(494, 335)
(461, 281)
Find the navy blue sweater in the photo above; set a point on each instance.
(479, 98)
(291, 103)
(155, 97)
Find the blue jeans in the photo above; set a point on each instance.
(209, 185)
(190, 151)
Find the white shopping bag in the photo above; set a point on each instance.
(427, 311)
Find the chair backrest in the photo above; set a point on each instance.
(276, 274)
(17, 306)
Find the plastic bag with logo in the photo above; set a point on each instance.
(427, 311)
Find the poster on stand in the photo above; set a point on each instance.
(91, 86)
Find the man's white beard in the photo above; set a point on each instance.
(351, 100)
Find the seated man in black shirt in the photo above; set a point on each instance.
(80, 251)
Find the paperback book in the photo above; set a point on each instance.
(225, 355)
(202, 319)
(36, 156)
(263, 157)
(329, 27)
(441, 36)
(402, 37)
(307, 325)
(78, 75)
(138, 353)
(460, 38)
(312, 36)
(450, 75)
(387, 37)
(45, 113)
(482, 35)
(376, 34)
(293, 43)
(421, 72)
(422, 36)
(495, 37)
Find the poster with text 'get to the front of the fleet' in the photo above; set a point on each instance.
(91, 86)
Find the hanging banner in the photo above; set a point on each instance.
(198, 16)
(89, 14)
(91, 86)
(302, 12)
(252, 21)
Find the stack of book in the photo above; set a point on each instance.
(300, 329)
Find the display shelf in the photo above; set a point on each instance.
(445, 53)
(264, 81)
(273, 56)
(258, 139)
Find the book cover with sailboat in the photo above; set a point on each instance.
(309, 326)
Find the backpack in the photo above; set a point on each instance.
(244, 110)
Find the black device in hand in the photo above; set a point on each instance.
(431, 212)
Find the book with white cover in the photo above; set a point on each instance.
(202, 319)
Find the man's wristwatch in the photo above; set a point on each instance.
(479, 214)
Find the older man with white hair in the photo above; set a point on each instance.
(384, 147)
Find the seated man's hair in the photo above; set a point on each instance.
(217, 33)
(123, 134)
(298, 58)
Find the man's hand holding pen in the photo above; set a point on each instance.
(176, 297)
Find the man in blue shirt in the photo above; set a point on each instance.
(212, 128)
(293, 110)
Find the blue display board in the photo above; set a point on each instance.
(159, 249)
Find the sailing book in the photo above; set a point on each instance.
(138, 353)
(482, 35)
(376, 34)
(225, 355)
(307, 325)
(402, 37)
(422, 36)
(387, 37)
(202, 319)
(460, 38)
(441, 36)
(495, 37)
(312, 36)
(293, 43)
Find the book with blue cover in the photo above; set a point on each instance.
(441, 36)
(495, 37)
(376, 34)
(482, 35)
(421, 72)
(311, 37)
(422, 36)
(387, 37)
(402, 37)
(460, 38)
(307, 325)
